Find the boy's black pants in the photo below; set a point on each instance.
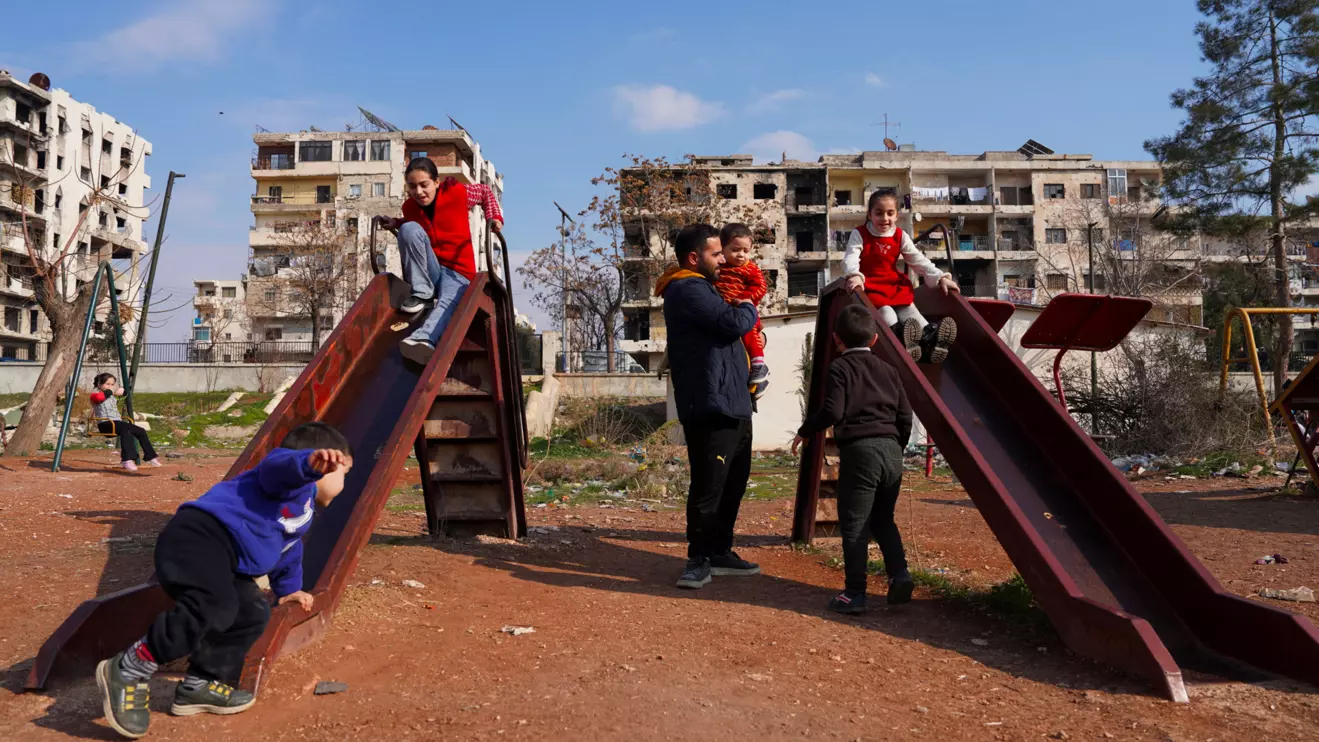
(128, 433)
(719, 453)
(869, 479)
(218, 614)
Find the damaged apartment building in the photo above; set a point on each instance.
(77, 178)
(318, 185)
(1027, 218)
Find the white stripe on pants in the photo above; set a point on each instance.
(891, 315)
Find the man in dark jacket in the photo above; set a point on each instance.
(710, 371)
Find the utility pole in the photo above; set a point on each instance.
(140, 339)
(564, 221)
(1094, 380)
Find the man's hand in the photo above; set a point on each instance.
(855, 283)
(327, 460)
(949, 285)
(796, 442)
(389, 223)
(497, 226)
(301, 597)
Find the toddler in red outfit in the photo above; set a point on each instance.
(741, 279)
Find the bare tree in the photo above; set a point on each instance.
(62, 296)
(313, 275)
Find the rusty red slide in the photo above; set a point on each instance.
(1119, 586)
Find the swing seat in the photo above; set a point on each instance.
(94, 427)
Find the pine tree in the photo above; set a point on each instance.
(1248, 140)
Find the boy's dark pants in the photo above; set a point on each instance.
(869, 479)
(719, 452)
(218, 614)
(128, 432)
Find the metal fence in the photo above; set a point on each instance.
(266, 351)
(596, 362)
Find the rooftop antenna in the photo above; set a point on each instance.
(377, 122)
(262, 129)
(886, 124)
(457, 125)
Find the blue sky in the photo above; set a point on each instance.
(556, 92)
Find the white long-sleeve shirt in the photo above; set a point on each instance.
(910, 253)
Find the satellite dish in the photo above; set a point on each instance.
(890, 145)
(39, 80)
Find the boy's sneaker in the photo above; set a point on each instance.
(899, 590)
(759, 372)
(696, 575)
(938, 336)
(412, 305)
(909, 331)
(850, 602)
(417, 351)
(127, 704)
(213, 698)
(732, 565)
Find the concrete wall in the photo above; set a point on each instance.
(610, 385)
(16, 378)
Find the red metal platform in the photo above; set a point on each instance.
(1086, 322)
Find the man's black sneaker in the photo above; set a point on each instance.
(937, 338)
(732, 565)
(213, 698)
(850, 602)
(126, 703)
(412, 305)
(899, 590)
(696, 574)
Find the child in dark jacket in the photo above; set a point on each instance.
(207, 559)
(865, 405)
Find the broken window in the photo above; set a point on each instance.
(104, 219)
(1056, 282)
(41, 160)
(843, 198)
(32, 321)
(805, 195)
(1090, 190)
(314, 152)
(22, 113)
(125, 155)
(805, 241)
(766, 235)
(323, 195)
(1055, 236)
(1054, 190)
(41, 122)
(380, 150)
(1133, 192)
(123, 189)
(274, 333)
(85, 174)
(59, 162)
(378, 190)
(120, 223)
(354, 151)
(763, 191)
(275, 194)
(726, 190)
(107, 146)
(806, 283)
(772, 280)
(87, 137)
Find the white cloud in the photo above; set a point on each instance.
(773, 101)
(771, 146)
(875, 81)
(663, 108)
(184, 31)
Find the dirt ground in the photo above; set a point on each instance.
(618, 652)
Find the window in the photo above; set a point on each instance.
(228, 314)
(354, 151)
(201, 334)
(120, 223)
(764, 191)
(1055, 236)
(351, 223)
(1101, 282)
(1054, 190)
(105, 182)
(32, 321)
(417, 153)
(41, 122)
(1097, 234)
(125, 154)
(355, 190)
(123, 189)
(843, 198)
(772, 279)
(805, 241)
(229, 292)
(87, 137)
(107, 146)
(59, 200)
(269, 295)
(85, 174)
(58, 243)
(380, 150)
(804, 195)
(59, 162)
(41, 160)
(64, 124)
(1133, 193)
(378, 190)
(275, 194)
(274, 333)
(314, 152)
(1055, 282)
(323, 195)
(726, 190)
(1090, 190)
(1117, 181)
(228, 336)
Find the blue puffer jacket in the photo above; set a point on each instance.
(706, 357)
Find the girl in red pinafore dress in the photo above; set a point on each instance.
(870, 263)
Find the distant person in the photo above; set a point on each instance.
(207, 559)
(865, 405)
(435, 247)
(870, 264)
(105, 413)
(740, 279)
(710, 371)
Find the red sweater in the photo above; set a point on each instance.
(451, 231)
(744, 282)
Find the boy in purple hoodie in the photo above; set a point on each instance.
(207, 559)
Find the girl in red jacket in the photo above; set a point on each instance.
(870, 263)
(740, 279)
(435, 247)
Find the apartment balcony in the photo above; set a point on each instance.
(280, 235)
(291, 203)
(27, 130)
(643, 302)
(20, 287)
(855, 212)
(17, 209)
(122, 244)
(462, 171)
(273, 164)
(641, 346)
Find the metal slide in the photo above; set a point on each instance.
(359, 383)
(1117, 584)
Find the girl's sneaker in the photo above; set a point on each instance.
(154, 462)
(130, 465)
(909, 331)
(937, 338)
(850, 602)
